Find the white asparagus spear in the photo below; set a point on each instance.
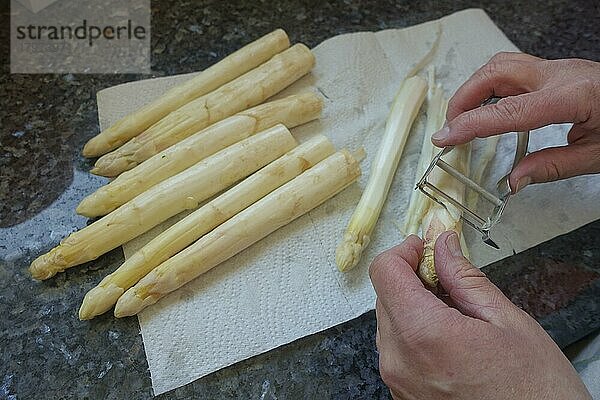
(248, 90)
(404, 111)
(436, 115)
(181, 192)
(185, 232)
(289, 111)
(438, 219)
(232, 66)
(277, 209)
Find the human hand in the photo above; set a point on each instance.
(483, 347)
(539, 93)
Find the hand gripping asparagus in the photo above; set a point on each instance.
(290, 111)
(246, 91)
(101, 298)
(277, 209)
(181, 192)
(232, 66)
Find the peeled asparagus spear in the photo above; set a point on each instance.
(277, 209)
(101, 298)
(404, 111)
(183, 191)
(246, 91)
(290, 111)
(232, 66)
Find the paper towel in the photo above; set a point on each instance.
(287, 285)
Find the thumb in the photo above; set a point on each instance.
(470, 290)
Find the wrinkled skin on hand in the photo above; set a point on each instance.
(536, 92)
(474, 345)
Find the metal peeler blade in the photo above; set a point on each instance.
(499, 200)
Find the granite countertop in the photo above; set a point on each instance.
(45, 120)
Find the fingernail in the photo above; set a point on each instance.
(442, 134)
(453, 245)
(521, 183)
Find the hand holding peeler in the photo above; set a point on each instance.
(498, 200)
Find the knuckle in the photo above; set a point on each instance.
(587, 94)
(577, 64)
(509, 109)
(467, 122)
(502, 55)
(552, 170)
(490, 69)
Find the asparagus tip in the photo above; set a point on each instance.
(40, 269)
(129, 304)
(349, 251)
(84, 208)
(111, 165)
(99, 300)
(91, 149)
(94, 205)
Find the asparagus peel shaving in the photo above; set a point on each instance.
(290, 111)
(273, 211)
(232, 66)
(402, 115)
(101, 298)
(248, 90)
(181, 192)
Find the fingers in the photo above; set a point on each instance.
(506, 74)
(511, 114)
(398, 288)
(556, 163)
(470, 290)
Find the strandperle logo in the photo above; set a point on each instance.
(80, 36)
(83, 31)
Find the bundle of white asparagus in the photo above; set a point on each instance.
(198, 139)
(236, 64)
(245, 91)
(101, 298)
(290, 111)
(184, 191)
(273, 211)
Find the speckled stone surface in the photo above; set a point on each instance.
(46, 352)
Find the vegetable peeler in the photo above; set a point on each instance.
(499, 200)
